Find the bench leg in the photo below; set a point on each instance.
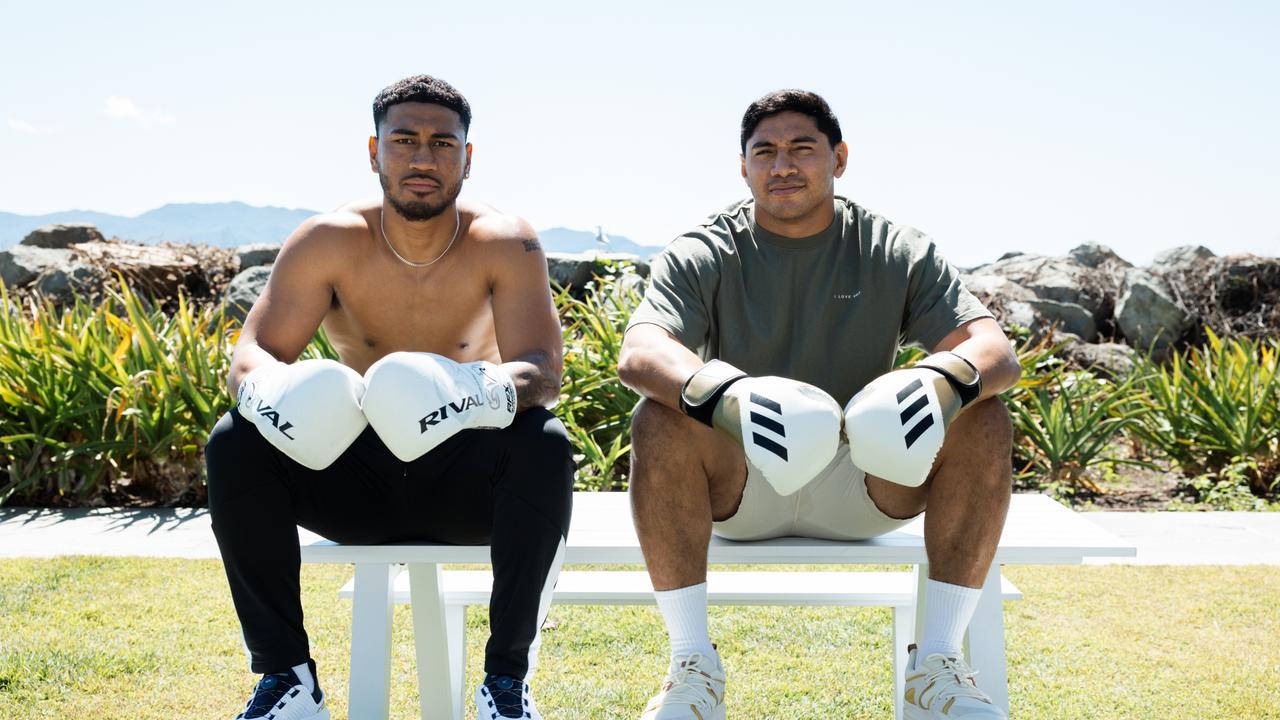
(903, 628)
(371, 602)
(439, 695)
(456, 625)
(985, 641)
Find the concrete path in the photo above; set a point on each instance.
(1162, 538)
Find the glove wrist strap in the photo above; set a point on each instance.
(959, 372)
(703, 390)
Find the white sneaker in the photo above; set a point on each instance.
(942, 688)
(502, 696)
(282, 696)
(692, 690)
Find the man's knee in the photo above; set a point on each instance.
(539, 442)
(987, 423)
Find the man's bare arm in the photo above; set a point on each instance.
(655, 364)
(297, 296)
(524, 316)
(984, 344)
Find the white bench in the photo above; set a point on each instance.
(1038, 531)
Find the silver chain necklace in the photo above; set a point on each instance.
(382, 224)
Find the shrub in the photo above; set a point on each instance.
(594, 405)
(1215, 410)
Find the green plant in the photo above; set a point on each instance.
(112, 394)
(1066, 423)
(594, 404)
(1226, 489)
(1216, 407)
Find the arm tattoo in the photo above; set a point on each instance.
(531, 245)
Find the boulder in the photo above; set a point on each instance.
(1063, 280)
(1013, 304)
(62, 237)
(1114, 359)
(1066, 317)
(1096, 255)
(21, 265)
(994, 288)
(63, 282)
(158, 270)
(1147, 315)
(1181, 256)
(257, 254)
(243, 291)
(575, 270)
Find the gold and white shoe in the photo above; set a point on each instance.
(692, 690)
(943, 688)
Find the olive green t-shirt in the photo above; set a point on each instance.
(830, 310)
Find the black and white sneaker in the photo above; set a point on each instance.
(282, 696)
(502, 696)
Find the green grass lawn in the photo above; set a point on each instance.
(141, 638)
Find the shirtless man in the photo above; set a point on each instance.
(434, 425)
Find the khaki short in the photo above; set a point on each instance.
(835, 506)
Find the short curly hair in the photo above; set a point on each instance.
(423, 89)
(801, 101)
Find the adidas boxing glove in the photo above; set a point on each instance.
(896, 424)
(788, 430)
(309, 410)
(416, 400)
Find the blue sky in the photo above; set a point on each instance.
(992, 126)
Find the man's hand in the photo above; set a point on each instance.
(789, 430)
(309, 410)
(896, 424)
(415, 400)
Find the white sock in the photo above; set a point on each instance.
(947, 611)
(685, 612)
(303, 672)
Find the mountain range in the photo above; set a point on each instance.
(235, 223)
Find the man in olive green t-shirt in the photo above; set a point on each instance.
(755, 328)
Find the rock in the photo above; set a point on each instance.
(62, 283)
(1113, 359)
(575, 270)
(244, 290)
(994, 288)
(1010, 254)
(1147, 315)
(1059, 279)
(1097, 255)
(158, 270)
(1013, 304)
(21, 265)
(257, 254)
(1181, 256)
(62, 236)
(1066, 317)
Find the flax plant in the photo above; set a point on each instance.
(1216, 408)
(594, 405)
(1067, 424)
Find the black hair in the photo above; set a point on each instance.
(801, 101)
(423, 89)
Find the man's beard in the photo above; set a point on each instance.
(419, 210)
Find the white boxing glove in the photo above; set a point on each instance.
(789, 430)
(896, 424)
(309, 410)
(417, 400)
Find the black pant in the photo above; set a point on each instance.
(509, 488)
